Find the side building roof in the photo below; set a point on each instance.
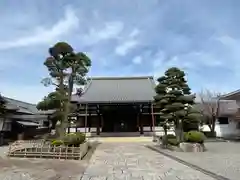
(20, 106)
(24, 107)
(117, 90)
(231, 95)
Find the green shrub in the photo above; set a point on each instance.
(74, 139)
(194, 137)
(173, 142)
(57, 142)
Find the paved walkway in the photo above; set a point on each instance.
(221, 158)
(130, 161)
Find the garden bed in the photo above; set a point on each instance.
(193, 142)
(71, 146)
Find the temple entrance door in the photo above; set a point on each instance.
(120, 119)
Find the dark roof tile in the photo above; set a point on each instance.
(117, 90)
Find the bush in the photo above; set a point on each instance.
(194, 137)
(74, 139)
(57, 142)
(173, 142)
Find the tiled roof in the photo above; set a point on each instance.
(20, 106)
(117, 90)
(24, 107)
(230, 95)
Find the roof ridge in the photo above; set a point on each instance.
(230, 93)
(120, 77)
(19, 101)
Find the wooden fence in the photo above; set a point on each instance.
(37, 149)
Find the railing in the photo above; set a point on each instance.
(21, 144)
(37, 149)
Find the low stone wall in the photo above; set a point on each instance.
(84, 149)
(191, 147)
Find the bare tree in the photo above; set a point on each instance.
(210, 107)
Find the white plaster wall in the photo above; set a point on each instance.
(160, 132)
(92, 129)
(224, 130)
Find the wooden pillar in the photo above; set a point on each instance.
(98, 124)
(77, 122)
(150, 118)
(69, 124)
(68, 128)
(138, 125)
(85, 123)
(140, 122)
(153, 119)
(102, 122)
(140, 119)
(89, 123)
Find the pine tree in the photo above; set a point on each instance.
(2, 105)
(66, 69)
(175, 101)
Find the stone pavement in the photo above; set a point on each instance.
(130, 161)
(40, 169)
(221, 158)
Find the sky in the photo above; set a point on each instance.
(122, 38)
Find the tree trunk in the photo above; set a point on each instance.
(165, 140)
(179, 131)
(64, 123)
(61, 130)
(67, 106)
(212, 124)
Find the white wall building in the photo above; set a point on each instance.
(228, 124)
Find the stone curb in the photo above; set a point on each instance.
(209, 173)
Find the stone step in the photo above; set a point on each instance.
(122, 139)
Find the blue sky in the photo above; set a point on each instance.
(123, 38)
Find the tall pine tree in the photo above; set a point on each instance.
(175, 101)
(66, 69)
(2, 105)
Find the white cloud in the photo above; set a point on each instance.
(43, 35)
(137, 60)
(110, 30)
(124, 48)
(128, 43)
(134, 33)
